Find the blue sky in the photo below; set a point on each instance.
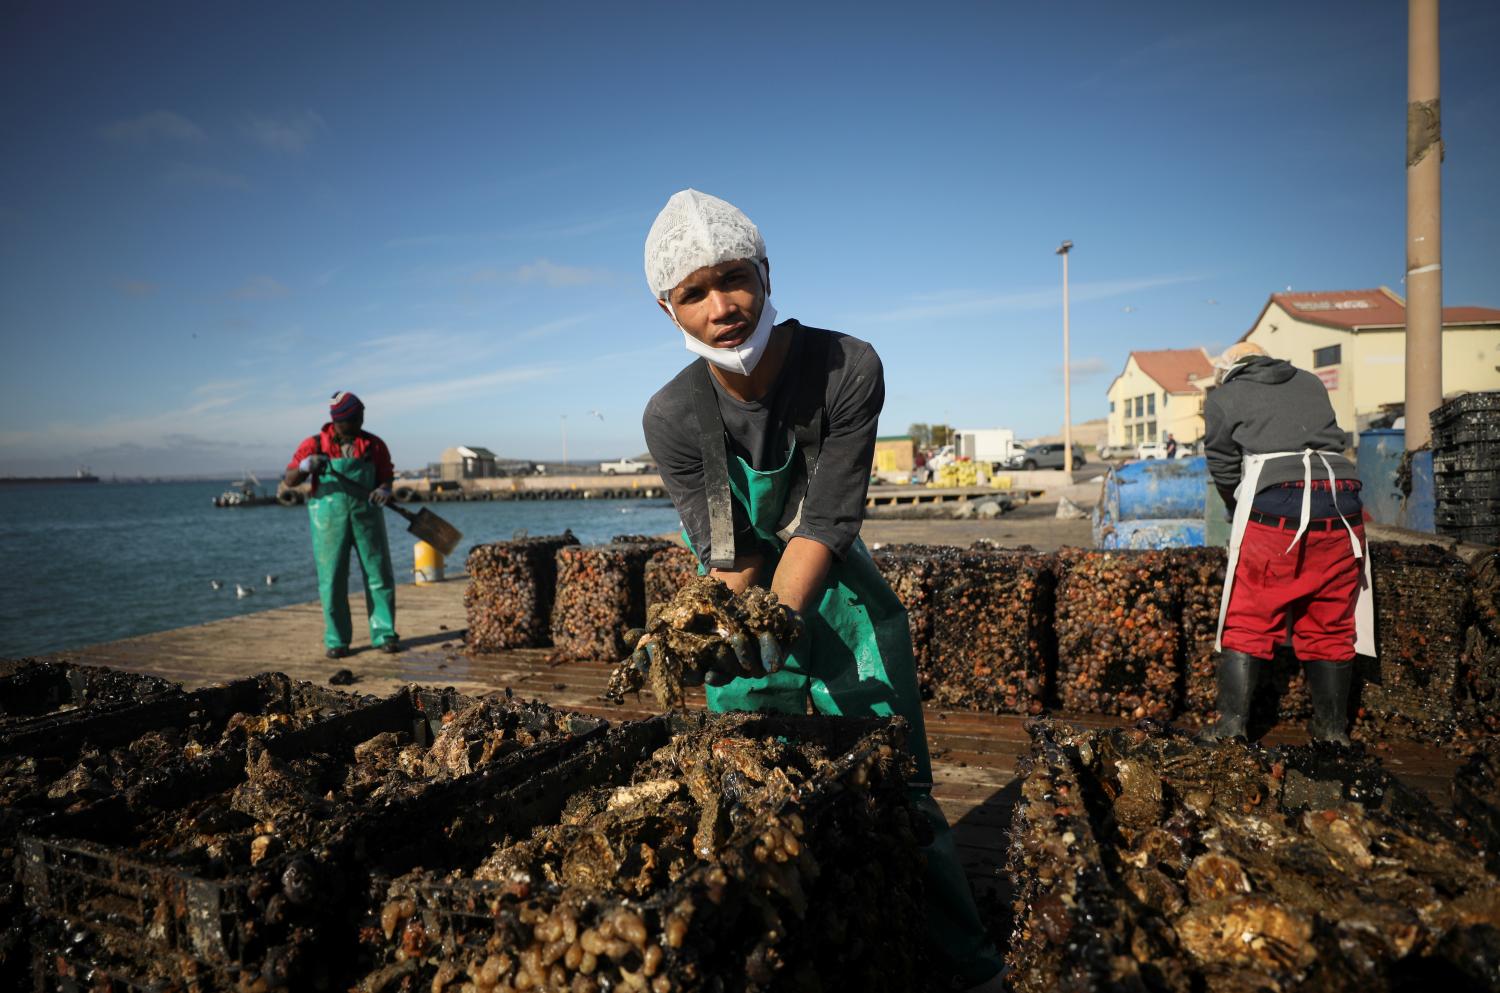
(212, 216)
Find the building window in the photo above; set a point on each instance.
(1151, 403)
(1326, 356)
(1111, 406)
(1151, 434)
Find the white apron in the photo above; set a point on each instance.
(1244, 496)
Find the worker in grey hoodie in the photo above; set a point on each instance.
(1297, 557)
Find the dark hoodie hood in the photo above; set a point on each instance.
(1261, 369)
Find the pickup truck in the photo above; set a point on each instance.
(623, 466)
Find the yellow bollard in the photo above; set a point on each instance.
(428, 563)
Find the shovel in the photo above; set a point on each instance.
(424, 523)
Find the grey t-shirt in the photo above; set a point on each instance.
(851, 391)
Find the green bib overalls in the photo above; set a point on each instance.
(856, 659)
(343, 519)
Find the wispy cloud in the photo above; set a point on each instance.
(541, 271)
(397, 400)
(557, 229)
(289, 135)
(158, 125)
(962, 303)
(187, 174)
(260, 288)
(135, 287)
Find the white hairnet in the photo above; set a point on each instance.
(695, 230)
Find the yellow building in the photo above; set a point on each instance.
(1155, 396)
(1355, 341)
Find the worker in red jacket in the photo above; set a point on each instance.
(351, 475)
(1297, 557)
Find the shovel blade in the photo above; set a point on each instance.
(436, 532)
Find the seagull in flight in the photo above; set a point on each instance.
(595, 413)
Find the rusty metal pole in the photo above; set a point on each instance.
(1067, 375)
(1424, 228)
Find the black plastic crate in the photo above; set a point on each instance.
(112, 872)
(62, 964)
(1461, 492)
(733, 920)
(1477, 456)
(1487, 536)
(33, 691)
(1466, 405)
(135, 758)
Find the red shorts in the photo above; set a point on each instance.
(1312, 589)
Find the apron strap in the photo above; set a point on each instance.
(1307, 454)
(1333, 487)
(1306, 499)
(715, 471)
(807, 418)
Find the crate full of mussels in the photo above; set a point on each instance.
(37, 693)
(237, 872)
(131, 746)
(1145, 862)
(685, 852)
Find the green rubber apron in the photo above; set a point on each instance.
(344, 519)
(856, 660)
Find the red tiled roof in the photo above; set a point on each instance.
(1173, 368)
(1353, 310)
(1471, 315)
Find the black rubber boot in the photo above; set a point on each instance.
(1328, 685)
(1238, 674)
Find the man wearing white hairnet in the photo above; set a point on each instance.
(765, 443)
(1297, 547)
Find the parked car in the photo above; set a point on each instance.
(1151, 450)
(1049, 456)
(623, 467)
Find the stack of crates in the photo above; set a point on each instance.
(1466, 467)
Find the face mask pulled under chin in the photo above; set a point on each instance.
(744, 357)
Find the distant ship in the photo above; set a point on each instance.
(81, 476)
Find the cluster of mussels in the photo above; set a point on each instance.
(704, 626)
(600, 595)
(1117, 633)
(1481, 682)
(510, 592)
(290, 803)
(668, 571)
(911, 571)
(1145, 862)
(74, 768)
(990, 631)
(1423, 600)
(693, 874)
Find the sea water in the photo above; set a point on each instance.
(86, 563)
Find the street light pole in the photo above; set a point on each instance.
(1067, 374)
(1424, 228)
